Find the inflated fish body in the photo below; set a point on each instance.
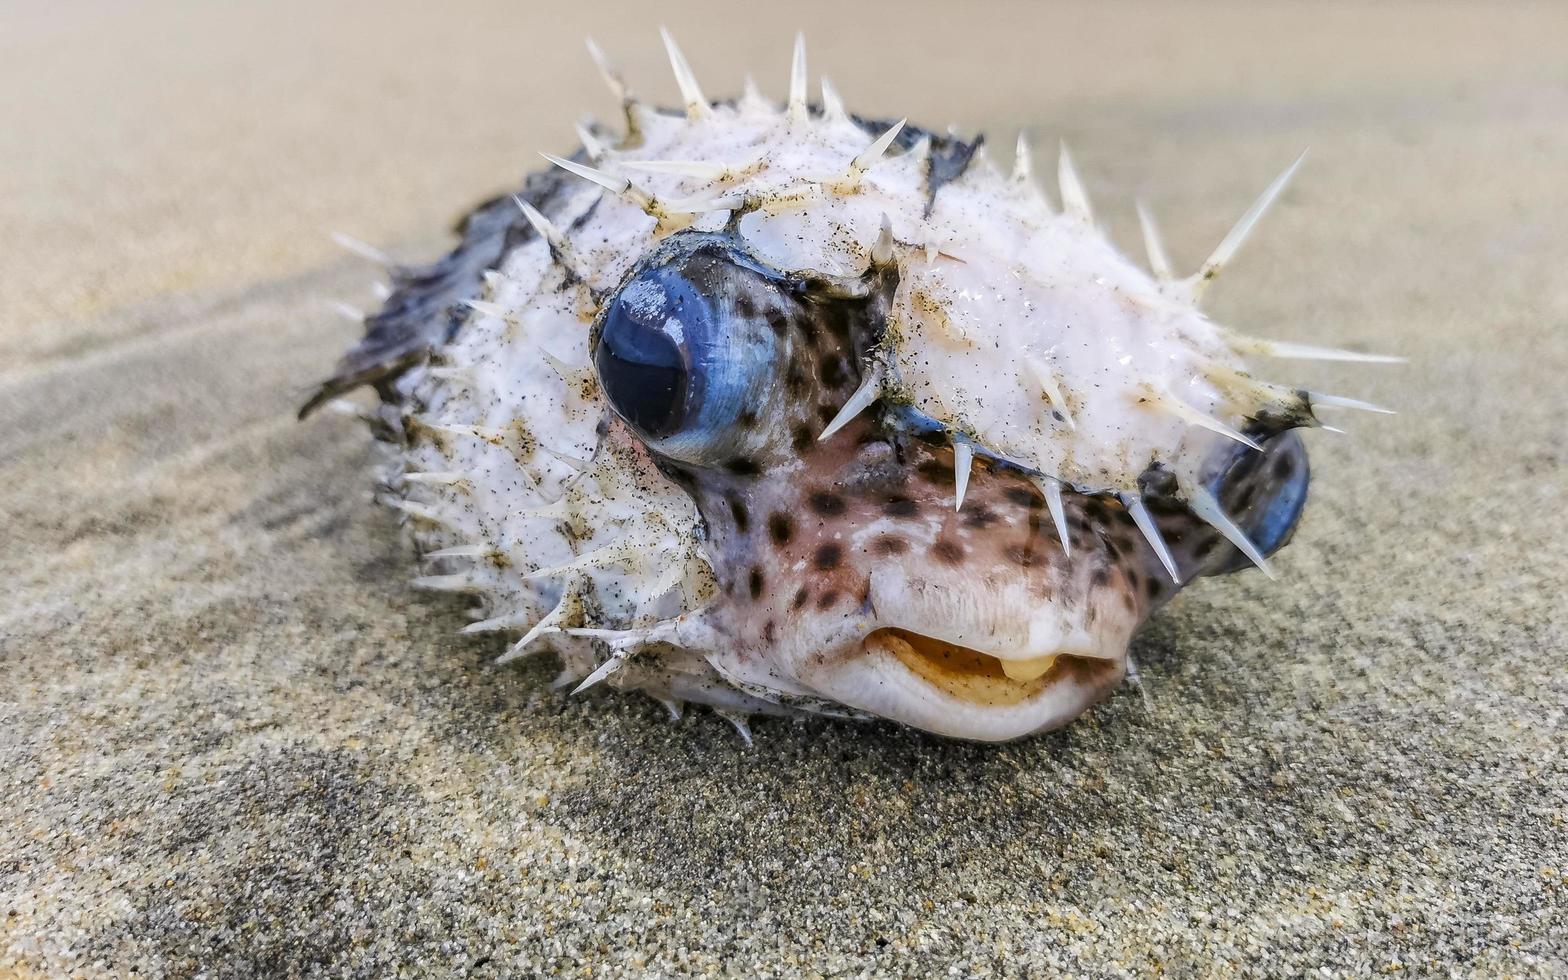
(778, 409)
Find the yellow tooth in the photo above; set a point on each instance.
(1028, 670)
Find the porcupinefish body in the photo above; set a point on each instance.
(778, 409)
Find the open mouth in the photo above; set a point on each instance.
(969, 674)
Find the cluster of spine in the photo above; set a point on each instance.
(608, 552)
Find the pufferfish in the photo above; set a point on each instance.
(779, 409)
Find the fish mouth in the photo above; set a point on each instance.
(972, 675)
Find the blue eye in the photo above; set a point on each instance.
(685, 349)
(644, 370)
(1265, 493)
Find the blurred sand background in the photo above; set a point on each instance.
(233, 743)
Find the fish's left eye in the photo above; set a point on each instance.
(644, 370)
(684, 349)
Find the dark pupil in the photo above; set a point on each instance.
(642, 372)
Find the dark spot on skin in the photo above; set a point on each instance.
(889, 544)
(795, 380)
(827, 413)
(826, 504)
(837, 320)
(1283, 467)
(948, 552)
(769, 631)
(1024, 497)
(743, 467)
(799, 600)
(900, 506)
(777, 322)
(1020, 555)
(833, 372)
(744, 306)
(747, 419)
(828, 557)
(1151, 587)
(1101, 576)
(742, 517)
(754, 582)
(935, 472)
(801, 438)
(780, 528)
(865, 592)
(827, 599)
(980, 517)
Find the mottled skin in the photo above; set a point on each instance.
(816, 544)
(836, 574)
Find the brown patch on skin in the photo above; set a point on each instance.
(770, 631)
(1023, 497)
(833, 372)
(826, 504)
(980, 517)
(935, 472)
(828, 557)
(777, 322)
(948, 552)
(740, 514)
(1021, 555)
(800, 438)
(827, 599)
(780, 528)
(743, 467)
(889, 544)
(900, 506)
(801, 595)
(755, 581)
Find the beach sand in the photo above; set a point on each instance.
(233, 742)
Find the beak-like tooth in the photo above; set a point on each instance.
(1028, 670)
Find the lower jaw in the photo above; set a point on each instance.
(970, 675)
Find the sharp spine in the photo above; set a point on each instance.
(1338, 401)
(1023, 163)
(510, 621)
(436, 477)
(591, 144)
(460, 551)
(1175, 406)
(1151, 532)
(871, 154)
(1304, 352)
(612, 78)
(1226, 250)
(1204, 504)
(421, 511)
(566, 611)
(696, 103)
(963, 460)
(616, 661)
(347, 311)
(738, 720)
(832, 105)
(1159, 261)
(1052, 488)
(1075, 200)
(882, 248)
(796, 107)
(460, 582)
(869, 391)
(363, 249)
(1047, 381)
